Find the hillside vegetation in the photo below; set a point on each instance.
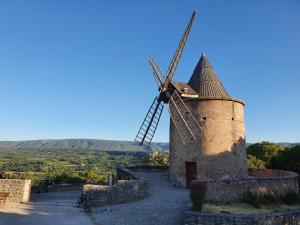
(65, 165)
(105, 145)
(273, 156)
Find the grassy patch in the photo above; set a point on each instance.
(271, 198)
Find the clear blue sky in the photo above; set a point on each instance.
(79, 69)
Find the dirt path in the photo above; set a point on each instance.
(56, 208)
(163, 207)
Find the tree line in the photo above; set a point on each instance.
(272, 156)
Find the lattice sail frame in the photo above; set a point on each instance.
(150, 123)
(180, 114)
(187, 126)
(158, 75)
(175, 60)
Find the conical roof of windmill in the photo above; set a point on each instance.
(205, 81)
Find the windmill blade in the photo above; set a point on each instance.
(177, 55)
(159, 77)
(150, 123)
(185, 123)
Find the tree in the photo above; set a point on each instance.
(159, 158)
(287, 160)
(264, 151)
(94, 176)
(255, 163)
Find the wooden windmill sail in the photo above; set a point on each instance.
(171, 93)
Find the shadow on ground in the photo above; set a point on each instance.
(57, 208)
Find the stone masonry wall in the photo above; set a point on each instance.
(19, 190)
(125, 174)
(269, 173)
(146, 168)
(124, 191)
(129, 188)
(233, 190)
(220, 151)
(282, 218)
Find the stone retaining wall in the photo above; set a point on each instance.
(145, 168)
(125, 174)
(124, 191)
(19, 190)
(129, 188)
(259, 180)
(282, 218)
(68, 187)
(269, 173)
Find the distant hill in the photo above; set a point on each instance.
(107, 145)
(286, 144)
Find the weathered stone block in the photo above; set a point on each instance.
(19, 190)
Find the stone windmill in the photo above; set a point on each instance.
(207, 134)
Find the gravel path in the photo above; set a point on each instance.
(164, 206)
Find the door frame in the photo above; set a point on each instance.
(190, 167)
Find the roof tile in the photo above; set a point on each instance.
(205, 81)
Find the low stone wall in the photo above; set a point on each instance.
(128, 188)
(125, 174)
(259, 180)
(60, 187)
(269, 173)
(124, 191)
(281, 218)
(144, 168)
(19, 190)
(68, 187)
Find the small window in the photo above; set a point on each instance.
(204, 118)
(232, 118)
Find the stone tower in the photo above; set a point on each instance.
(220, 151)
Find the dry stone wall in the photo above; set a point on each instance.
(146, 168)
(129, 188)
(124, 191)
(19, 190)
(125, 174)
(282, 218)
(259, 180)
(68, 187)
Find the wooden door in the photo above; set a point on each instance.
(190, 172)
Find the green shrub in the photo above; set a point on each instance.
(271, 198)
(264, 151)
(158, 158)
(255, 163)
(250, 198)
(67, 178)
(287, 160)
(268, 198)
(197, 195)
(290, 198)
(259, 199)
